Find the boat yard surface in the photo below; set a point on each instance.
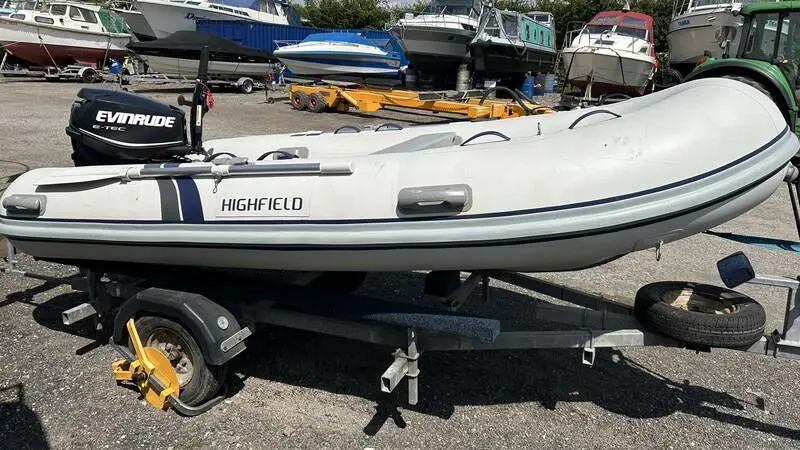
(294, 389)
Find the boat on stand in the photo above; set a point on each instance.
(699, 29)
(510, 44)
(134, 18)
(613, 53)
(64, 33)
(169, 16)
(340, 56)
(436, 41)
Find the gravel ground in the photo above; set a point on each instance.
(295, 389)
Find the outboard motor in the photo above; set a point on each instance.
(120, 127)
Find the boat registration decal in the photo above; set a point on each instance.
(284, 205)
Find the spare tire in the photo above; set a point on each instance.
(700, 314)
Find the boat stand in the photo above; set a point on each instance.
(410, 329)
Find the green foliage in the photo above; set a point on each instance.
(345, 13)
(568, 15)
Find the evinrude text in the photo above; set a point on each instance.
(124, 118)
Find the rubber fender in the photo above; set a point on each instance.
(197, 313)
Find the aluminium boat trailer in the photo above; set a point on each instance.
(220, 312)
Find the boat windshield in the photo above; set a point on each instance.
(628, 26)
(454, 8)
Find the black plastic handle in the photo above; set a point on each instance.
(591, 113)
(486, 133)
(389, 126)
(348, 127)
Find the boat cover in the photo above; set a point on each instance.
(187, 44)
(113, 22)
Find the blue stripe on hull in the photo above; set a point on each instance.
(356, 63)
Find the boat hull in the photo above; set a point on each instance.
(189, 67)
(693, 36)
(48, 45)
(612, 71)
(373, 210)
(309, 64)
(495, 58)
(167, 18)
(137, 24)
(434, 50)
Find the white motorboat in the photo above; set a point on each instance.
(437, 40)
(134, 18)
(612, 53)
(322, 55)
(169, 16)
(698, 30)
(478, 201)
(64, 33)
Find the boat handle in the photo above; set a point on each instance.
(389, 126)
(591, 113)
(26, 205)
(347, 127)
(437, 200)
(487, 133)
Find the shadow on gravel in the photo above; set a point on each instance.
(451, 379)
(20, 427)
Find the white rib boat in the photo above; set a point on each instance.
(578, 189)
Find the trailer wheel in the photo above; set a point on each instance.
(316, 103)
(246, 87)
(299, 100)
(88, 76)
(198, 381)
(700, 314)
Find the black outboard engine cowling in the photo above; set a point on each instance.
(119, 127)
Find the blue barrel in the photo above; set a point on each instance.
(528, 85)
(115, 66)
(550, 83)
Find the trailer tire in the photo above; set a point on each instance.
(700, 314)
(316, 103)
(88, 75)
(246, 87)
(299, 100)
(203, 380)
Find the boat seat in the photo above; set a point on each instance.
(423, 142)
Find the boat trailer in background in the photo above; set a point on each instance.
(227, 309)
(475, 104)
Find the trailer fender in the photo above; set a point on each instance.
(216, 330)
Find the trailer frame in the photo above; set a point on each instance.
(598, 322)
(475, 104)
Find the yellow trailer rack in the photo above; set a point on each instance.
(473, 104)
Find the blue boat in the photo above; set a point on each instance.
(342, 56)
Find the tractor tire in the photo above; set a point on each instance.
(700, 314)
(750, 82)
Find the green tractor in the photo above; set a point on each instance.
(768, 55)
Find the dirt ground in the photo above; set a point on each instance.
(293, 389)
